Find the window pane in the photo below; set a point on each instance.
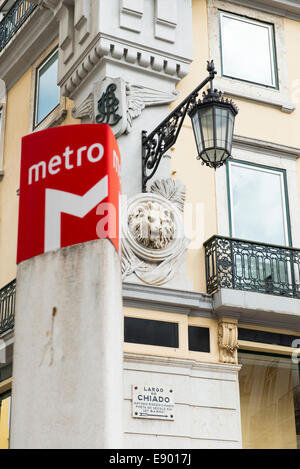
(199, 339)
(248, 50)
(196, 127)
(207, 127)
(150, 332)
(221, 126)
(48, 91)
(258, 207)
(270, 399)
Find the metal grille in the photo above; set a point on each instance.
(14, 19)
(251, 266)
(7, 306)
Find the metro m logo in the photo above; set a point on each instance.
(58, 202)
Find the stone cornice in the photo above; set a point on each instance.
(263, 146)
(147, 360)
(166, 299)
(286, 8)
(112, 50)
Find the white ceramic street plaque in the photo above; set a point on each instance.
(153, 402)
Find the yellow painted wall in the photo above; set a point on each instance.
(199, 180)
(254, 120)
(4, 424)
(17, 124)
(183, 322)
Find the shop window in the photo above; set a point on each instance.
(270, 401)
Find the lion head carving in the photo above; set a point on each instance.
(152, 225)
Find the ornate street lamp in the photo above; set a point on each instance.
(213, 123)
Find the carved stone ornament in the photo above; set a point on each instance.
(153, 239)
(118, 103)
(228, 340)
(85, 110)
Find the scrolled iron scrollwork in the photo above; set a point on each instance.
(251, 266)
(7, 306)
(165, 135)
(14, 19)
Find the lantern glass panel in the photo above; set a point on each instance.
(214, 156)
(220, 154)
(207, 122)
(197, 131)
(221, 126)
(230, 131)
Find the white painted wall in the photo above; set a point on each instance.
(207, 410)
(67, 389)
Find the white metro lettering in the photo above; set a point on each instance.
(67, 161)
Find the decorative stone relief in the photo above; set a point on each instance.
(139, 97)
(136, 37)
(129, 55)
(118, 103)
(166, 18)
(131, 15)
(153, 239)
(228, 340)
(85, 110)
(152, 224)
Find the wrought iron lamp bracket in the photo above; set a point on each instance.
(164, 136)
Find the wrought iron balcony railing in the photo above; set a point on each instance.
(14, 19)
(7, 306)
(257, 267)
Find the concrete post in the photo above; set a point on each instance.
(67, 390)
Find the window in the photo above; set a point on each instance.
(248, 50)
(47, 91)
(264, 337)
(258, 207)
(199, 339)
(150, 332)
(250, 54)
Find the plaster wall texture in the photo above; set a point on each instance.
(69, 328)
(18, 115)
(207, 408)
(255, 120)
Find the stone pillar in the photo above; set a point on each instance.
(68, 361)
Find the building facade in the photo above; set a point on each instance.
(211, 304)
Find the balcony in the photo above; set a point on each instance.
(7, 307)
(253, 267)
(14, 19)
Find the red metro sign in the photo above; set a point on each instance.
(69, 188)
